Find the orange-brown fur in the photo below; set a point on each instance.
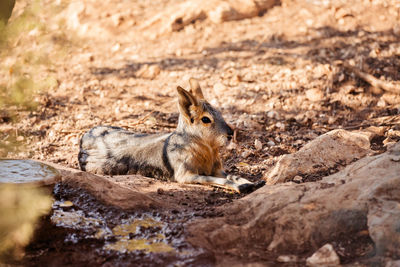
(190, 154)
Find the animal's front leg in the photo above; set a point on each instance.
(184, 176)
(239, 180)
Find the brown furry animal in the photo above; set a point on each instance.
(190, 154)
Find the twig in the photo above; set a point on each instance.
(372, 80)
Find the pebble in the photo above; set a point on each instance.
(325, 256)
(273, 115)
(245, 153)
(281, 126)
(270, 143)
(287, 258)
(66, 204)
(232, 146)
(314, 95)
(219, 88)
(381, 103)
(258, 145)
(160, 191)
(297, 179)
(148, 72)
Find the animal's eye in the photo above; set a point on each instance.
(206, 120)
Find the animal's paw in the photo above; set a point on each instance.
(246, 188)
(250, 187)
(259, 184)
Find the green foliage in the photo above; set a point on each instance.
(24, 76)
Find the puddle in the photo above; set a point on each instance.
(129, 237)
(134, 234)
(25, 171)
(118, 235)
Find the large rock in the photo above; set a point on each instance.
(106, 190)
(179, 15)
(300, 218)
(325, 256)
(334, 149)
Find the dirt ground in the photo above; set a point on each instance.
(280, 79)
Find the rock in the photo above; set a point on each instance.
(245, 153)
(270, 143)
(325, 256)
(287, 258)
(297, 179)
(258, 145)
(281, 126)
(219, 88)
(160, 191)
(314, 95)
(393, 263)
(177, 16)
(381, 103)
(323, 153)
(148, 72)
(105, 190)
(300, 217)
(391, 98)
(236, 9)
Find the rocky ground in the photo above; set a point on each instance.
(281, 77)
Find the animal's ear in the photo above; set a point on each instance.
(186, 99)
(195, 88)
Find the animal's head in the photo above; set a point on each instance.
(198, 117)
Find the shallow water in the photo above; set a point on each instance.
(24, 171)
(92, 228)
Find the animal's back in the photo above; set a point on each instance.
(116, 151)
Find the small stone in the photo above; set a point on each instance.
(395, 158)
(272, 114)
(280, 126)
(178, 52)
(300, 118)
(314, 95)
(219, 88)
(116, 47)
(148, 72)
(325, 256)
(298, 179)
(20, 138)
(287, 258)
(66, 204)
(258, 145)
(160, 191)
(270, 143)
(381, 103)
(331, 120)
(245, 153)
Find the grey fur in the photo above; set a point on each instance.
(115, 151)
